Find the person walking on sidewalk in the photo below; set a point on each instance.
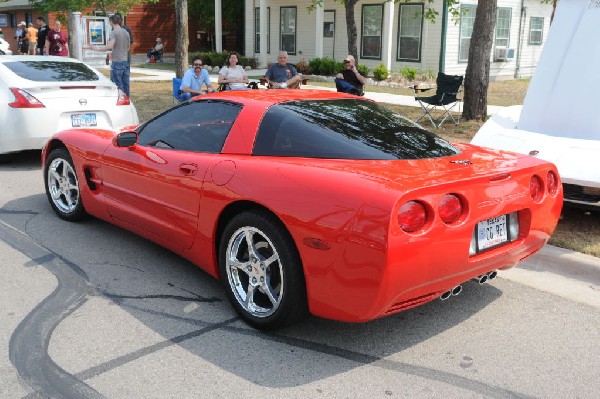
(56, 41)
(118, 43)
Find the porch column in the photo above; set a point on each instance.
(218, 27)
(319, 12)
(263, 33)
(79, 36)
(387, 34)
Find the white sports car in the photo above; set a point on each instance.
(577, 158)
(4, 47)
(45, 94)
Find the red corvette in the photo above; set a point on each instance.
(309, 201)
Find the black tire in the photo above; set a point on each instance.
(62, 186)
(275, 259)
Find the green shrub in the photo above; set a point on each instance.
(409, 73)
(364, 69)
(381, 72)
(214, 58)
(329, 66)
(314, 66)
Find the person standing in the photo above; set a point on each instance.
(233, 75)
(282, 74)
(118, 43)
(32, 38)
(43, 30)
(128, 30)
(191, 84)
(21, 36)
(56, 41)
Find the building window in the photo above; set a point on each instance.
(536, 30)
(503, 27)
(3, 20)
(288, 29)
(410, 28)
(372, 26)
(466, 30)
(257, 27)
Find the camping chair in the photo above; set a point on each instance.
(225, 86)
(446, 96)
(176, 90)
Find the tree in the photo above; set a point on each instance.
(106, 6)
(183, 39)
(554, 3)
(477, 76)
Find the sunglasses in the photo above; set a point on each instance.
(197, 64)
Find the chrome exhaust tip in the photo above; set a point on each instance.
(446, 295)
(457, 290)
(481, 279)
(492, 275)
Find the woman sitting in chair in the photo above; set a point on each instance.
(232, 76)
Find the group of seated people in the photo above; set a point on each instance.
(278, 76)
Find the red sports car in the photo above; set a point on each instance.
(305, 201)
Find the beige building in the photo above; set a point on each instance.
(397, 34)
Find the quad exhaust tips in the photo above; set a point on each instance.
(484, 278)
(453, 292)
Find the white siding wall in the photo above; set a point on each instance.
(431, 38)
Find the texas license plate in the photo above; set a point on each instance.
(83, 120)
(492, 232)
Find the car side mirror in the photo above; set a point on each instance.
(126, 139)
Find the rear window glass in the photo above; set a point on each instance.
(344, 129)
(52, 71)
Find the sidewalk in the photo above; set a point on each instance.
(160, 75)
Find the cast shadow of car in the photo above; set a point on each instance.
(188, 308)
(24, 160)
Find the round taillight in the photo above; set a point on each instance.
(450, 208)
(552, 182)
(412, 216)
(536, 188)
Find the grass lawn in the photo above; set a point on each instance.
(577, 229)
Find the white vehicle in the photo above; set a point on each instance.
(4, 47)
(43, 95)
(560, 120)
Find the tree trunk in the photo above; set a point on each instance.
(351, 28)
(182, 39)
(477, 76)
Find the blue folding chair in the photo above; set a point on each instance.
(176, 90)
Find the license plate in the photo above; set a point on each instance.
(492, 232)
(83, 120)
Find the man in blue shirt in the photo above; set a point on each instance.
(283, 75)
(191, 84)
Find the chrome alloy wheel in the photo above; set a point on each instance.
(254, 271)
(63, 185)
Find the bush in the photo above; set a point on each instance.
(314, 66)
(409, 73)
(364, 69)
(214, 58)
(302, 67)
(381, 72)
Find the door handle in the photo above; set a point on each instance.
(188, 169)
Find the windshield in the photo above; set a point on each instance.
(345, 129)
(52, 71)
